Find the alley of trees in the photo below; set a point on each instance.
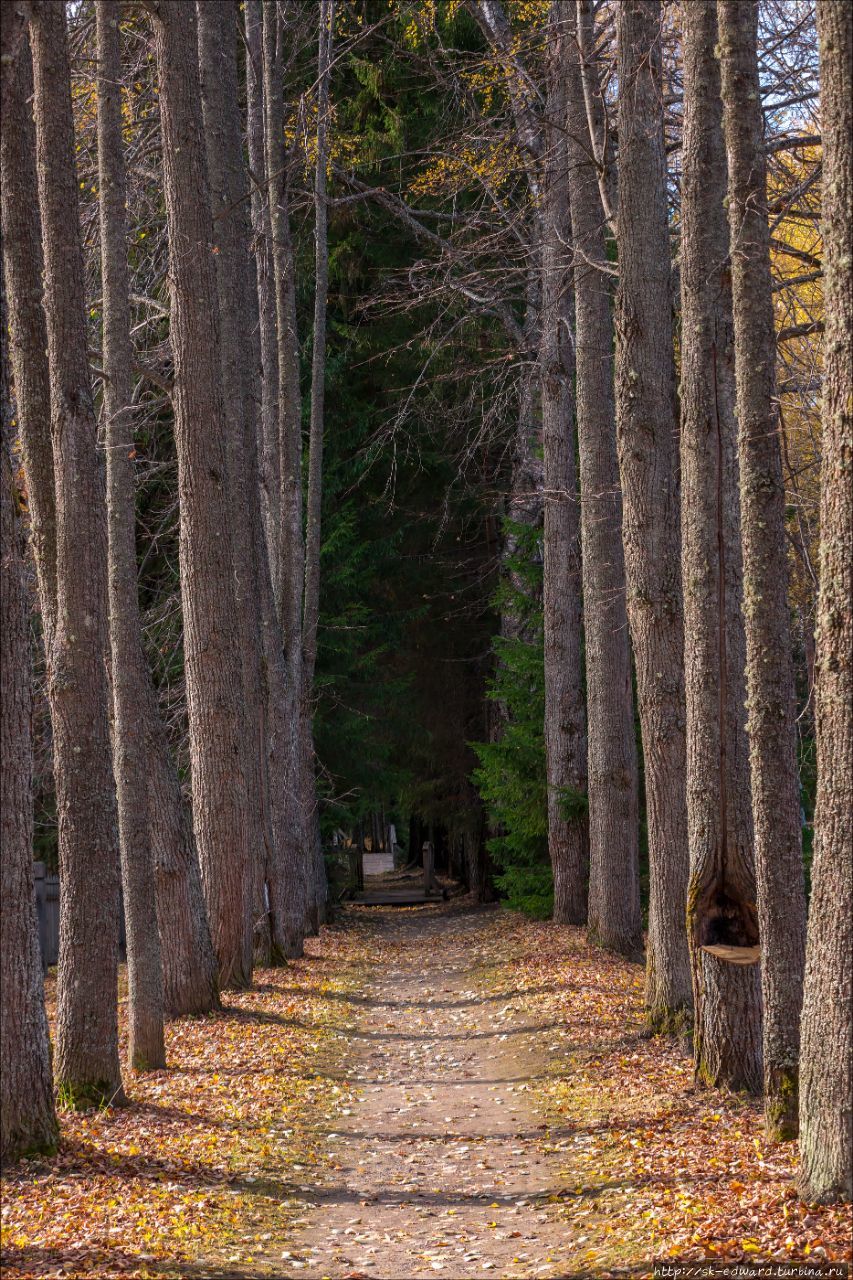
(427, 423)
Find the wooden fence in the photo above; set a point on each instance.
(47, 911)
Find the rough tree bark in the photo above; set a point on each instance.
(314, 499)
(279, 893)
(146, 1048)
(189, 961)
(648, 463)
(565, 727)
(189, 965)
(826, 1083)
(27, 1115)
(291, 549)
(22, 253)
(291, 553)
(600, 137)
(13, 33)
(217, 32)
(769, 667)
(212, 658)
(87, 1062)
(270, 460)
(614, 919)
(721, 900)
(284, 873)
(318, 359)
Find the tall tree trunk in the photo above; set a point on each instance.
(13, 33)
(525, 505)
(648, 462)
(291, 548)
(146, 1049)
(190, 983)
(87, 1061)
(311, 612)
(600, 137)
(525, 501)
(318, 360)
(284, 876)
(769, 667)
(270, 459)
(291, 552)
(229, 186)
(826, 1082)
(286, 880)
(27, 1115)
(189, 966)
(212, 658)
(722, 894)
(22, 253)
(565, 728)
(614, 919)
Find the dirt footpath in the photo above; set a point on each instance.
(438, 1156)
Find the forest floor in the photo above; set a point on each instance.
(443, 1090)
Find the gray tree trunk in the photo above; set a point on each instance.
(217, 31)
(188, 958)
(721, 901)
(614, 919)
(286, 880)
(146, 1049)
(189, 965)
(13, 33)
(296, 784)
(826, 1075)
(318, 360)
(22, 253)
(597, 135)
(87, 1062)
(269, 443)
(314, 500)
(769, 667)
(291, 551)
(648, 462)
(212, 658)
(565, 727)
(27, 1115)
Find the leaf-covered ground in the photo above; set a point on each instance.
(209, 1161)
(441, 1090)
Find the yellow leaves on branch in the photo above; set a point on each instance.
(456, 169)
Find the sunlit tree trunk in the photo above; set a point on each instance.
(27, 1115)
(211, 653)
(268, 439)
(22, 254)
(87, 1062)
(769, 666)
(189, 966)
(217, 29)
(614, 873)
(722, 894)
(146, 1049)
(826, 1065)
(648, 462)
